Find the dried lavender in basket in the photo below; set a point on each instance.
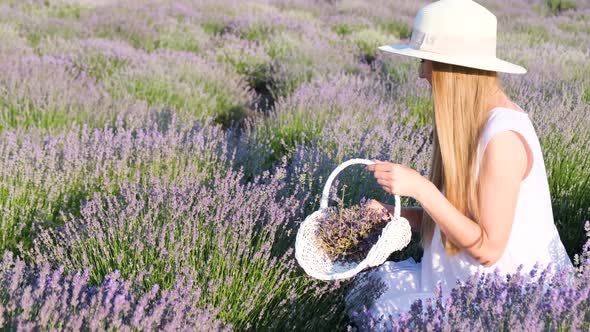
(348, 234)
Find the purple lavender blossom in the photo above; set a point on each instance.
(72, 303)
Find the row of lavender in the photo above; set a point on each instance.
(226, 58)
(130, 208)
(148, 209)
(172, 210)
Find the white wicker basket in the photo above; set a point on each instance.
(395, 236)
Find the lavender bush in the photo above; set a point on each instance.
(148, 25)
(43, 177)
(187, 84)
(569, 179)
(36, 23)
(45, 298)
(98, 58)
(222, 234)
(40, 92)
(112, 160)
(303, 117)
(542, 299)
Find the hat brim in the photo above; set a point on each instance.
(493, 64)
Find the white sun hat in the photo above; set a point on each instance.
(459, 32)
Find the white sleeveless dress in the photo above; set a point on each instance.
(407, 280)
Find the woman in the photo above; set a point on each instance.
(496, 211)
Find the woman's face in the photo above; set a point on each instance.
(426, 70)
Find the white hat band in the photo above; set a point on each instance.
(453, 45)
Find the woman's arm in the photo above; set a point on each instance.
(503, 166)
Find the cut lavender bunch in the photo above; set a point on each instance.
(348, 234)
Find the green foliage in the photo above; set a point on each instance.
(368, 41)
(568, 168)
(211, 102)
(25, 203)
(24, 112)
(191, 91)
(397, 72)
(586, 95)
(35, 35)
(399, 29)
(534, 35)
(420, 110)
(575, 27)
(291, 64)
(558, 6)
(257, 31)
(181, 37)
(214, 27)
(256, 68)
(346, 29)
(34, 39)
(101, 67)
(66, 11)
(284, 131)
(343, 29)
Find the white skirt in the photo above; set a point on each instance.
(389, 289)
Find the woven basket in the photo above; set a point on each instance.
(395, 236)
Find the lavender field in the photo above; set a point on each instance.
(157, 157)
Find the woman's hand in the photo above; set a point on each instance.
(377, 206)
(412, 213)
(398, 179)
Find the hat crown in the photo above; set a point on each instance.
(456, 18)
(457, 32)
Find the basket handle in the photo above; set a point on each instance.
(326, 192)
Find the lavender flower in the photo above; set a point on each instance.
(44, 176)
(540, 299)
(68, 301)
(221, 233)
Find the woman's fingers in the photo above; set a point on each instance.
(372, 166)
(371, 202)
(383, 175)
(384, 182)
(374, 204)
(380, 167)
(385, 167)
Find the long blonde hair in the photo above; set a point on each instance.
(460, 97)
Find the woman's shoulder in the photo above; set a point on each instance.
(508, 136)
(506, 112)
(502, 118)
